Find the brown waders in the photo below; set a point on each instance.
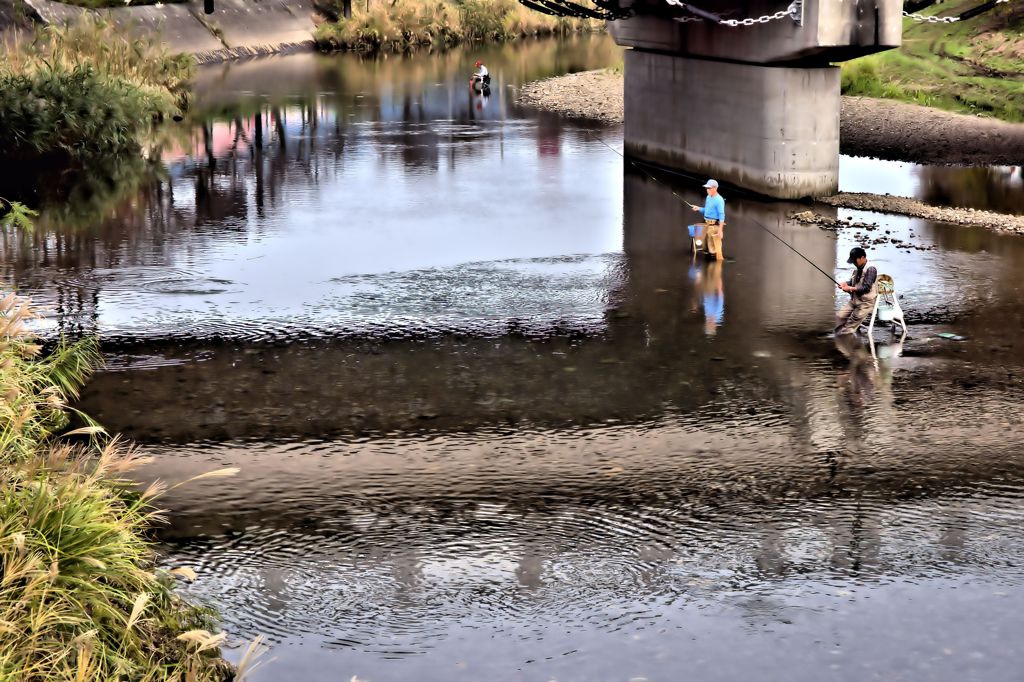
(855, 311)
(713, 232)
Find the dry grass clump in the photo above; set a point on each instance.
(80, 596)
(84, 89)
(405, 24)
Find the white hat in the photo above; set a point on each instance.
(710, 183)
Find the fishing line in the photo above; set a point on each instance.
(755, 220)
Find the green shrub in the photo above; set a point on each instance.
(79, 112)
(85, 90)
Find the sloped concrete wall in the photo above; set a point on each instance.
(237, 27)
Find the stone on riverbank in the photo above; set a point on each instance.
(999, 222)
(883, 236)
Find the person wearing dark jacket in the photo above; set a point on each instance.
(863, 290)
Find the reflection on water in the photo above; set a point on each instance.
(989, 188)
(520, 504)
(707, 281)
(275, 215)
(495, 421)
(999, 188)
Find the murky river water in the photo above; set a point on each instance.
(494, 422)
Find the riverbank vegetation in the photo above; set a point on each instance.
(85, 90)
(972, 66)
(80, 595)
(400, 25)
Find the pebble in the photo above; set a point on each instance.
(834, 225)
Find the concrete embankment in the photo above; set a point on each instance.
(238, 28)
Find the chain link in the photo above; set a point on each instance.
(920, 18)
(923, 19)
(781, 14)
(792, 11)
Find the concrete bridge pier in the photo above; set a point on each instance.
(755, 106)
(770, 129)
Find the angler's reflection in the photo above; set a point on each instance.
(480, 100)
(858, 382)
(708, 293)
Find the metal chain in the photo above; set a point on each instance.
(781, 14)
(793, 11)
(921, 18)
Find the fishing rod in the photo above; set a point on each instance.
(755, 220)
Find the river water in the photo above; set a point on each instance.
(494, 421)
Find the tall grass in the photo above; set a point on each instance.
(398, 25)
(85, 89)
(80, 596)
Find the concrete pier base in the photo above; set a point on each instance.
(770, 129)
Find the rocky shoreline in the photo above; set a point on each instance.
(969, 217)
(868, 127)
(594, 95)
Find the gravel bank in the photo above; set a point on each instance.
(868, 127)
(905, 132)
(596, 95)
(1000, 222)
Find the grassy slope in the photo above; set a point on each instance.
(974, 66)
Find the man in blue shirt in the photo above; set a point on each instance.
(714, 220)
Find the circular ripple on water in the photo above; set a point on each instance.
(394, 576)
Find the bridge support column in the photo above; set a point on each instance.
(770, 129)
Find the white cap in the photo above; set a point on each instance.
(710, 183)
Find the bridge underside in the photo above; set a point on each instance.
(753, 106)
